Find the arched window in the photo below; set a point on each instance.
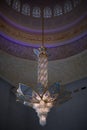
(57, 10)
(26, 9)
(67, 6)
(76, 2)
(16, 5)
(47, 12)
(9, 2)
(36, 12)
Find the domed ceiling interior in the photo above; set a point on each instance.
(65, 36)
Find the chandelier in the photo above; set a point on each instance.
(43, 97)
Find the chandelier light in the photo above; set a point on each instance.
(43, 97)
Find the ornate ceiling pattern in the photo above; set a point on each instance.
(65, 38)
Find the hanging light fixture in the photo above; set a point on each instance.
(42, 98)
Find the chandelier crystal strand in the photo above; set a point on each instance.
(43, 109)
(43, 67)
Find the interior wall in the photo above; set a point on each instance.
(71, 115)
(17, 70)
(68, 69)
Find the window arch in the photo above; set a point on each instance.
(67, 6)
(76, 2)
(47, 12)
(36, 12)
(9, 2)
(57, 10)
(16, 5)
(26, 9)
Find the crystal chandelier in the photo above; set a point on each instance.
(42, 98)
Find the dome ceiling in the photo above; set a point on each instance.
(65, 24)
(50, 8)
(43, 2)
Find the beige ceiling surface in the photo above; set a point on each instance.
(17, 70)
